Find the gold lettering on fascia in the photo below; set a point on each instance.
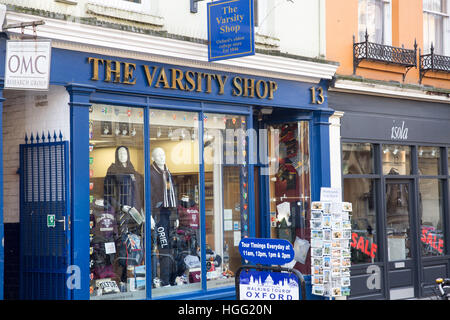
(115, 71)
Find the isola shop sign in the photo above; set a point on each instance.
(160, 77)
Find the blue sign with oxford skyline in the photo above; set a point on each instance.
(230, 29)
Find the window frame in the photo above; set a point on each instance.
(445, 15)
(145, 6)
(386, 21)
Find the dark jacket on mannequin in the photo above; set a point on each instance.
(123, 184)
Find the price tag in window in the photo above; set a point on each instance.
(110, 248)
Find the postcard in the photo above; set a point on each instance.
(316, 252)
(316, 214)
(315, 243)
(347, 206)
(316, 205)
(317, 290)
(316, 223)
(326, 221)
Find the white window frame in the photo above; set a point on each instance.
(262, 25)
(387, 23)
(146, 6)
(445, 14)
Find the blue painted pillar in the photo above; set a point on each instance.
(320, 152)
(2, 234)
(79, 185)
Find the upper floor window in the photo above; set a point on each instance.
(375, 17)
(142, 6)
(435, 26)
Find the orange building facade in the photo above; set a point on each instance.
(392, 94)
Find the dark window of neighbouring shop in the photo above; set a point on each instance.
(429, 161)
(357, 158)
(396, 159)
(431, 202)
(359, 182)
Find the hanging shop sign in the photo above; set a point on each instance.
(27, 64)
(266, 251)
(230, 29)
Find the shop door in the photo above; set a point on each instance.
(288, 174)
(400, 239)
(44, 219)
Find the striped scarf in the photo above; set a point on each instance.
(169, 193)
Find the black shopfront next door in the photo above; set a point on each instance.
(400, 237)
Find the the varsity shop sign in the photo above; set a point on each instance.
(176, 79)
(27, 64)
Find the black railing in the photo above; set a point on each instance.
(433, 62)
(376, 52)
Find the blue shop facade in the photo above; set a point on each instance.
(157, 174)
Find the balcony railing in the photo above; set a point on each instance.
(376, 52)
(433, 62)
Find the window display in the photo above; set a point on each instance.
(290, 196)
(175, 205)
(396, 159)
(431, 211)
(117, 208)
(398, 220)
(361, 193)
(226, 195)
(357, 158)
(429, 161)
(118, 191)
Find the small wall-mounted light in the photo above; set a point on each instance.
(194, 6)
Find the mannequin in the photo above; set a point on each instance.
(164, 209)
(123, 192)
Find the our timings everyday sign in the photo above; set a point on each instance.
(230, 29)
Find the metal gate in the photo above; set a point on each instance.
(44, 218)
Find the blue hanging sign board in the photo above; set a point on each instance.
(266, 251)
(230, 29)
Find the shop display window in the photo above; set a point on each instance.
(357, 158)
(290, 188)
(175, 202)
(117, 206)
(398, 220)
(226, 195)
(429, 161)
(431, 214)
(361, 193)
(396, 159)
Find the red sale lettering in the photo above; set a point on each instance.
(432, 240)
(363, 245)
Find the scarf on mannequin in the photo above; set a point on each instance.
(169, 199)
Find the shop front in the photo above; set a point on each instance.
(167, 168)
(395, 171)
